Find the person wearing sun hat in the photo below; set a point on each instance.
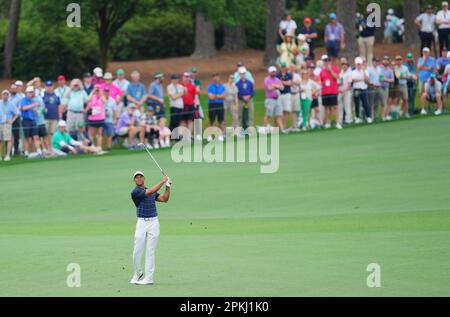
(288, 50)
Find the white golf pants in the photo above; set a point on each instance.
(145, 238)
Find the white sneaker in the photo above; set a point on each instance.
(145, 281)
(338, 126)
(436, 113)
(389, 118)
(220, 138)
(149, 147)
(423, 112)
(168, 143)
(156, 146)
(198, 137)
(327, 126)
(407, 116)
(209, 139)
(358, 121)
(136, 278)
(369, 120)
(162, 144)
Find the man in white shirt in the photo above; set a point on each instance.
(360, 78)
(287, 26)
(175, 92)
(345, 92)
(426, 22)
(443, 22)
(295, 96)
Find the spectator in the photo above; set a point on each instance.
(63, 144)
(443, 22)
(88, 85)
(155, 94)
(432, 94)
(98, 76)
(216, 97)
(149, 129)
(36, 83)
(231, 101)
(61, 87)
(15, 97)
(426, 22)
(311, 36)
(127, 126)
(246, 93)
(345, 92)
(28, 106)
(329, 77)
(360, 79)
(334, 37)
(40, 113)
(188, 102)
(175, 91)
(285, 98)
(287, 26)
(309, 89)
(374, 87)
(412, 86)
(441, 64)
(402, 73)
(302, 50)
(76, 99)
(52, 103)
(110, 118)
(273, 86)
(8, 114)
(386, 80)
(295, 97)
(96, 115)
(314, 74)
(425, 65)
(248, 74)
(366, 39)
(123, 84)
(136, 92)
(287, 51)
(114, 91)
(391, 27)
(198, 112)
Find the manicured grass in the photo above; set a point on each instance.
(341, 200)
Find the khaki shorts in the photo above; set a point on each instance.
(295, 102)
(5, 132)
(403, 92)
(74, 120)
(285, 102)
(273, 108)
(51, 126)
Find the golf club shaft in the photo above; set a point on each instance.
(146, 148)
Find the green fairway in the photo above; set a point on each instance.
(340, 201)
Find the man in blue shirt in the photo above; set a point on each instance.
(216, 97)
(285, 98)
(147, 227)
(51, 102)
(425, 66)
(155, 94)
(28, 107)
(136, 92)
(15, 97)
(8, 114)
(246, 92)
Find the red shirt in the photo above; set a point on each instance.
(189, 97)
(329, 83)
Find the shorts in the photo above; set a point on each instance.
(273, 107)
(5, 132)
(30, 128)
(394, 92)
(329, 100)
(96, 124)
(42, 131)
(384, 92)
(51, 126)
(285, 102)
(295, 102)
(431, 98)
(160, 111)
(74, 121)
(403, 92)
(108, 128)
(188, 113)
(315, 103)
(333, 48)
(123, 131)
(216, 111)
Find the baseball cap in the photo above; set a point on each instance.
(29, 89)
(159, 75)
(333, 16)
(359, 61)
(131, 105)
(307, 20)
(87, 74)
(174, 76)
(242, 70)
(5, 92)
(194, 70)
(150, 108)
(120, 72)
(325, 57)
(272, 69)
(61, 78)
(430, 7)
(387, 58)
(18, 83)
(240, 64)
(108, 76)
(433, 75)
(390, 11)
(98, 72)
(138, 173)
(409, 55)
(445, 3)
(187, 74)
(48, 83)
(62, 123)
(426, 49)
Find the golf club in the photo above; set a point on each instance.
(146, 148)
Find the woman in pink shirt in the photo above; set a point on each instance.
(329, 77)
(96, 115)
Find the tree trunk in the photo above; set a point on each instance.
(11, 37)
(205, 44)
(411, 10)
(234, 38)
(104, 43)
(346, 13)
(276, 9)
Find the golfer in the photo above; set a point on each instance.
(147, 227)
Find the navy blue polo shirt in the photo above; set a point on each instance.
(285, 77)
(145, 205)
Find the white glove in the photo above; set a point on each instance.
(169, 183)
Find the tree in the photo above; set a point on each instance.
(346, 12)
(11, 37)
(205, 40)
(276, 9)
(234, 38)
(411, 10)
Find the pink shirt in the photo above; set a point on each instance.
(114, 90)
(271, 81)
(329, 83)
(98, 108)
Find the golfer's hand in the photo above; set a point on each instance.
(165, 179)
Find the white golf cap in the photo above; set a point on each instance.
(359, 61)
(108, 76)
(18, 83)
(272, 69)
(138, 173)
(98, 72)
(62, 123)
(426, 49)
(325, 57)
(30, 89)
(242, 70)
(301, 37)
(391, 11)
(5, 92)
(445, 3)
